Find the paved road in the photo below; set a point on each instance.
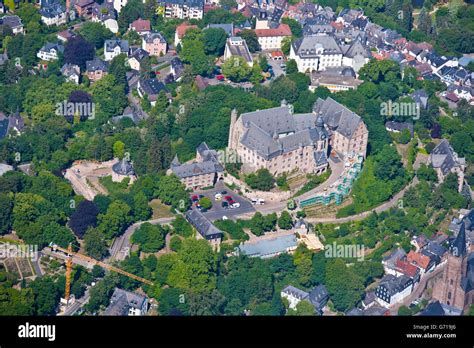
(383, 207)
(78, 303)
(37, 266)
(337, 167)
(121, 246)
(420, 288)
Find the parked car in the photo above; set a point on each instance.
(224, 192)
(225, 218)
(220, 77)
(228, 198)
(225, 204)
(195, 198)
(236, 205)
(218, 196)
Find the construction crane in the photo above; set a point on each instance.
(67, 292)
(104, 265)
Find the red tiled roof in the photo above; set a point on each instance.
(419, 260)
(246, 12)
(183, 27)
(337, 26)
(453, 97)
(277, 54)
(406, 268)
(141, 25)
(282, 30)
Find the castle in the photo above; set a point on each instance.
(284, 142)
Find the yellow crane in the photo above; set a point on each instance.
(104, 265)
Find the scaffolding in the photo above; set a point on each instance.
(342, 187)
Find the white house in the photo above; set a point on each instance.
(316, 53)
(293, 295)
(112, 48)
(71, 72)
(270, 39)
(50, 51)
(183, 9)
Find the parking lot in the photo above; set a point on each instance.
(217, 211)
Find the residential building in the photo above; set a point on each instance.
(335, 79)
(389, 262)
(293, 295)
(205, 228)
(53, 13)
(440, 309)
(319, 297)
(356, 55)
(204, 172)
(150, 88)
(445, 160)
(422, 262)
(65, 35)
(136, 58)
(177, 68)
(141, 26)
(112, 48)
(105, 13)
(155, 44)
(126, 303)
(14, 22)
(181, 31)
(271, 38)
(96, 69)
(50, 51)
(71, 72)
(5, 168)
(393, 289)
(268, 248)
(11, 125)
(183, 9)
(316, 53)
(398, 127)
(118, 4)
(421, 97)
(84, 7)
(237, 47)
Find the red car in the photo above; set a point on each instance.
(220, 77)
(195, 198)
(228, 198)
(231, 202)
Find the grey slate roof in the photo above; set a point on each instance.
(210, 164)
(444, 157)
(420, 96)
(467, 282)
(308, 46)
(264, 127)
(319, 297)
(123, 167)
(97, 64)
(110, 45)
(202, 224)
(357, 48)
(152, 36)
(122, 300)
(228, 28)
(337, 116)
(394, 284)
(295, 292)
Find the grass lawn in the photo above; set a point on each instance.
(159, 209)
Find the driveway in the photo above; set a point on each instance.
(217, 211)
(121, 247)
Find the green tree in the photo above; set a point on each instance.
(261, 180)
(285, 221)
(236, 69)
(303, 308)
(119, 149)
(250, 39)
(205, 202)
(94, 244)
(115, 220)
(6, 206)
(404, 311)
(424, 22)
(151, 238)
(214, 41)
